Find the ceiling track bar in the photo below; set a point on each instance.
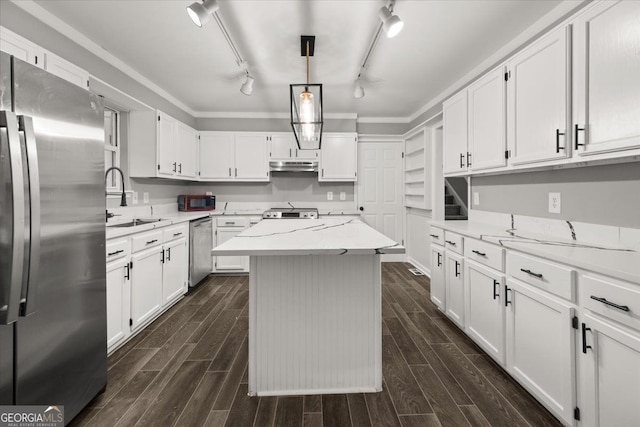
(239, 60)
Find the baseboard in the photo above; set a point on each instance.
(419, 266)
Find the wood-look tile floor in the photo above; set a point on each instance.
(189, 368)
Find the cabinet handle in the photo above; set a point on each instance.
(180, 168)
(289, 152)
(439, 259)
(506, 295)
(604, 301)
(230, 223)
(229, 171)
(435, 236)
(450, 242)
(174, 166)
(468, 159)
(323, 172)
(457, 269)
(531, 273)
(127, 275)
(169, 254)
(461, 160)
(584, 339)
(162, 259)
(236, 171)
(296, 152)
(495, 292)
(177, 234)
(558, 133)
(152, 241)
(116, 252)
(478, 252)
(575, 135)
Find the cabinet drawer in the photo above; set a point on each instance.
(484, 253)
(116, 249)
(146, 240)
(253, 220)
(437, 235)
(174, 232)
(231, 222)
(617, 300)
(453, 242)
(554, 278)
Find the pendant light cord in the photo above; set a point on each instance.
(307, 62)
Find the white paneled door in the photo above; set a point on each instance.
(380, 189)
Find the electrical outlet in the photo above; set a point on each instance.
(134, 198)
(343, 195)
(554, 203)
(209, 193)
(476, 198)
(329, 195)
(145, 197)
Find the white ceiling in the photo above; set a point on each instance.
(440, 43)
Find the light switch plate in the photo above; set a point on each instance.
(329, 195)
(476, 198)
(343, 195)
(554, 203)
(145, 197)
(134, 198)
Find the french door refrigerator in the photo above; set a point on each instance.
(52, 240)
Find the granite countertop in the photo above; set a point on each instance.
(322, 236)
(618, 262)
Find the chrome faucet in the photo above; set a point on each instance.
(123, 198)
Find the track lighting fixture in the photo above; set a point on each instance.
(391, 24)
(359, 90)
(247, 86)
(200, 13)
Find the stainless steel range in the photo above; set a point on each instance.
(287, 213)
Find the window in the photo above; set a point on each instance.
(112, 147)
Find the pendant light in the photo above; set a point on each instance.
(306, 105)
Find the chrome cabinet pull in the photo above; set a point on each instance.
(604, 301)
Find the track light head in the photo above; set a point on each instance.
(359, 90)
(200, 13)
(247, 86)
(391, 24)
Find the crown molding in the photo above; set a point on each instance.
(68, 31)
(403, 120)
(258, 115)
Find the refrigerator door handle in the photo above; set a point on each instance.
(10, 303)
(25, 125)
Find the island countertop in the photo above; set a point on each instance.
(322, 236)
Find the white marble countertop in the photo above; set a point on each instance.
(322, 236)
(618, 262)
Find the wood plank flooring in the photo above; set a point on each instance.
(189, 368)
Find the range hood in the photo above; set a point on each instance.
(293, 166)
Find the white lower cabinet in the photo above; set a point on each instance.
(118, 305)
(174, 270)
(438, 288)
(484, 308)
(225, 229)
(541, 346)
(454, 283)
(146, 286)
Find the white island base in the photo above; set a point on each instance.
(315, 324)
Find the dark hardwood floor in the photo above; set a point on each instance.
(189, 368)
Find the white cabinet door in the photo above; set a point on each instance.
(454, 283)
(538, 101)
(609, 374)
(21, 48)
(166, 145)
(216, 156)
(66, 70)
(282, 147)
(484, 312)
(223, 263)
(118, 301)
(174, 270)
(455, 126)
(338, 157)
(540, 346)
(305, 155)
(606, 69)
(146, 286)
(437, 277)
(187, 140)
(487, 121)
(251, 158)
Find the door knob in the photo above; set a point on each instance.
(361, 208)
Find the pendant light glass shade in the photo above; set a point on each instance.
(200, 13)
(306, 115)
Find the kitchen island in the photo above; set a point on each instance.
(315, 323)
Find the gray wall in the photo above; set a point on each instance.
(382, 128)
(267, 125)
(608, 195)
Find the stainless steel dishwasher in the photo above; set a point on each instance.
(200, 245)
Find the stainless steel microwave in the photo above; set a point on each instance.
(196, 202)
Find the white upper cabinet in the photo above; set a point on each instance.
(338, 157)
(251, 157)
(538, 100)
(606, 61)
(216, 156)
(187, 143)
(21, 48)
(456, 155)
(487, 121)
(167, 146)
(282, 147)
(66, 70)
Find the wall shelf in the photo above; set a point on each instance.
(417, 170)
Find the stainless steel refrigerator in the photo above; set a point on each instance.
(52, 240)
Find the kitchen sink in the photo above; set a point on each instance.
(135, 222)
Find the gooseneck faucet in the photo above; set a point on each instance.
(123, 198)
